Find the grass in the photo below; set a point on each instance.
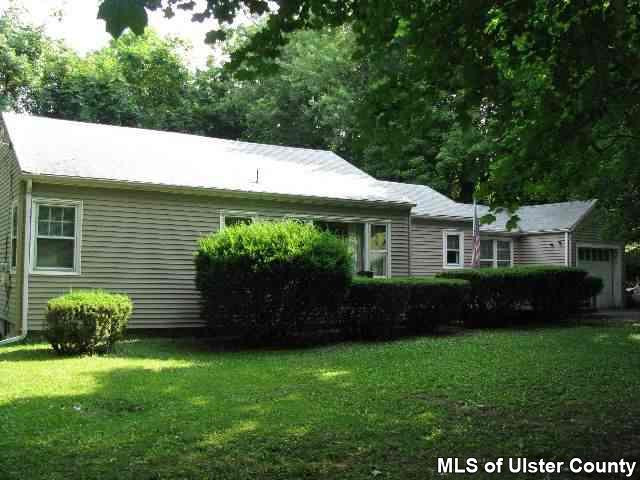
(161, 409)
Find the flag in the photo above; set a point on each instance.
(475, 258)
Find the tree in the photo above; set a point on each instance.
(22, 46)
(561, 79)
(136, 81)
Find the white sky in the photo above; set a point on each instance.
(81, 30)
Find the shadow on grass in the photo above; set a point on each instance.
(189, 412)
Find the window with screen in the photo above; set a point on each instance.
(56, 237)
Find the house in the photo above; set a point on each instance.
(97, 206)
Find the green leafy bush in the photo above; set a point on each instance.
(500, 295)
(264, 280)
(375, 307)
(87, 321)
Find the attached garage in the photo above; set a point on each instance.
(603, 261)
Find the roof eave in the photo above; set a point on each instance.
(219, 192)
(442, 217)
(584, 215)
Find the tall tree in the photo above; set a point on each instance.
(562, 79)
(135, 81)
(22, 47)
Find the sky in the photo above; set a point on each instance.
(81, 30)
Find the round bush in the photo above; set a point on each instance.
(264, 280)
(88, 321)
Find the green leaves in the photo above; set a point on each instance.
(122, 14)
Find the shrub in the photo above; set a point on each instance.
(375, 307)
(264, 280)
(87, 321)
(499, 295)
(591, 288)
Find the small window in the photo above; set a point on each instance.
(353, 233)
(378, 252)
(486, 253)
(495, 253)
(14, 236)
(56, 236)
(503, 249)
(233, 220)
(453, 253)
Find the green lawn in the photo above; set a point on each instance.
(173, 409)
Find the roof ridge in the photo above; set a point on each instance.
(170, 132)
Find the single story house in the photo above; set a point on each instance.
(97, 206)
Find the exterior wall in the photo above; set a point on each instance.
(10, 282)
(142, 243)
(427, 244)
(591, 230)
(540, 249)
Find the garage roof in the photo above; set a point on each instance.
(533, 218)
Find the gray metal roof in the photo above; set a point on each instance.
(430, 203)
(79, 150)
(547, 217)
(533, 218)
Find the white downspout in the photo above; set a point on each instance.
(26, 267)
(567, 250)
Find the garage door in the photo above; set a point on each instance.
(600, 262)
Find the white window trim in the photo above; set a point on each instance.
(55, 202)
(445, 234)
(12, 268)
(369, 250)
(495, 241)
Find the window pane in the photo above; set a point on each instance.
(338, 229)
(43, 228)
(453, 242)
(55, 229)
(486, 264)
(503, 264)
(486, 249)
(504, 251)
(453, 257)
(56, 213)
(231, 221)
(378, 264)
(14, 253)
(378, 237)
(43, 213)
(54, 253)
(68, 229)
(69, 214)
(14, 213)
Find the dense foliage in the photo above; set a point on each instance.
(377, 307)
(499, 295)
(87, 321)
(552, 86)
(454, 101)
(263, 281)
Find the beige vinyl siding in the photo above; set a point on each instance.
(540, 249)
(427, 244)
(591, 230)
(400, 245)
(10, 191)
(142, 243)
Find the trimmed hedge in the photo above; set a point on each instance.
(88, 321)
(499, 295)
(263, 281)
(375, 307)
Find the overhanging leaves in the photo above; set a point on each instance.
(122, 14)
